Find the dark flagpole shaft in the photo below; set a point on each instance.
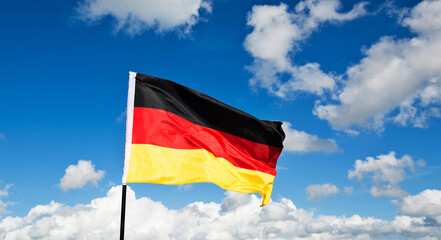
(123, 211)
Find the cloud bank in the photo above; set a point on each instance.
(427, 203)
(78, 176)
(136, 16)
(237, 217)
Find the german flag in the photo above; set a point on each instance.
(176, 135)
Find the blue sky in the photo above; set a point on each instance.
(357, 83)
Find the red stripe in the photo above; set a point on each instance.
(165, 129)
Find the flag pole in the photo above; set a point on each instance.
(123, 211)
(129, 128)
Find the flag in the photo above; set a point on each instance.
(176, 135)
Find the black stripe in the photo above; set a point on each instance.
(204, 110)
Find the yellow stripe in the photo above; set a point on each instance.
(154, 164)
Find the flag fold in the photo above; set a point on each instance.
(176, 135)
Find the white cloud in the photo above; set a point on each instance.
(327, 10)
(300, 141)
(237, 217)
(349, 190)
(425, 18)
(272, 35)
(317, 191)
(4, 192)
(185, 187)
(137, 16)
(4, 205)
(276, 37)
(427, 203)
(77, 176)
(385, 172)
(397, 81)
(351, 132)
(122, 117)
(2, 136)
(396, 75)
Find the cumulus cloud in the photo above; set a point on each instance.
(237, 217)
(398, 80)
(426, 203)
(300, 141)
(137, 16)
(385, 173)
(276, 37)
(77, 176)
(317, 191)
